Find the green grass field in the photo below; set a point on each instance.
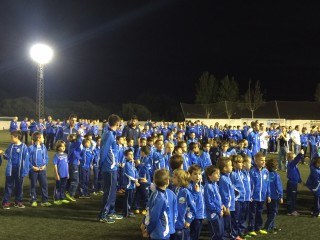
(79, 220)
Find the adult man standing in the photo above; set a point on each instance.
(109, 166)
(50, 133)
(254, 139)
(14, 124)
(65, 131)
(24, 128)
(264, 139)
(133, 131)
(295, 137)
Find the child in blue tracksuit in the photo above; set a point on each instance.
(96, 171)
(204, 159)
(74, 151)
(237, 180)
(158, 215)
(86, 164)
(247, 197)
(313, 183)
(276, 195)
(294, 178)
(17, 155)
(196, 190)
(260, 188)
(213, 204)
(172, 211)
(186, 205)
(130, 181)
(61, 171)
(121, 163)
(142, 191)
(38, 162)
(227, 193)
(158, 157)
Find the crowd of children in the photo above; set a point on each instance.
(177, 175)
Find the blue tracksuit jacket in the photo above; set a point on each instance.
(108, 151)
(34, 159)
(74, 152)
(293, 173)
(226, 190)
(198, 199)
(131, 175)
(157, 218)
(212, 199)
(237, 180)
(260, 187)
(87, 156)
(23, 159)
(247, 185)
(313, 181)
(276, 189)
(186, 207)
(158, 160)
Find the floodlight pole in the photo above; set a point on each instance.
(40, 92)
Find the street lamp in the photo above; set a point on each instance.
(41, 54)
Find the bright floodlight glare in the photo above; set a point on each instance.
(41, 53)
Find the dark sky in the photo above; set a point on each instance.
(112, 51)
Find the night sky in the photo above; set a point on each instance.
(112, 51)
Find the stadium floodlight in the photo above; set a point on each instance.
(41, 54)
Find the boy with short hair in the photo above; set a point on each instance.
(96, 171)
(17, 155)
(158, 225)
(158, 156)
(193, 153)
(74, 157)
(176, 162)
(247, 197)
(294, 178)
(86, 165)
(204, 159)
(213, 204)
(196, 190)
(237, 178)
(142, 191)
(186, 160)
(214, 151)
(131, 182)
(227, 193)
(121, 163)
(38, 163)
(260, 193)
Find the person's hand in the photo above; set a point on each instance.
(186, 225)
(302, 151)
(227, 212)
(1, 152)
(57, 177)
(137, 183)
(143, 180)
(281, 200)
(221, 214)
(269, 200)
(197, 187)
(35, 168)
(145, 234)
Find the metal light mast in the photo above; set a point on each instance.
(42, 54)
